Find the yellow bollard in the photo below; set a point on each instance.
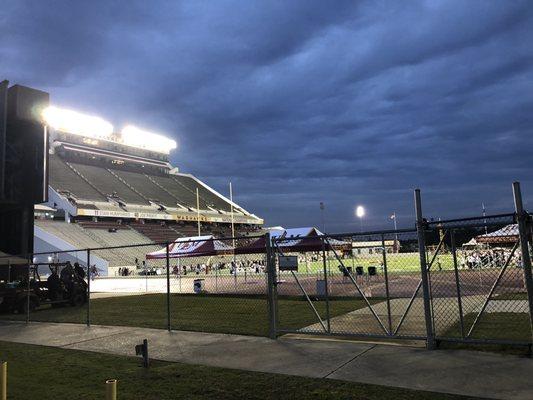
(111, 389)
(3, 382)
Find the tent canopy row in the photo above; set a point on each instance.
(287, 240)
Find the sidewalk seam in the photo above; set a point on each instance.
(95, 338)
(350, 360)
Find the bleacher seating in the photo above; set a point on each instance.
(97, 183)
(149, 189)
(95, 237)
(158, 233)
(62, 178)
(186, 196)
(102, 225)
(70, 233)
(107, 183)
(209, 197)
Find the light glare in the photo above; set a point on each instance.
(133, 136)
(76, 123)
(360, 211)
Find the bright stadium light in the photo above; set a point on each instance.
(133, 136)
(360, 213)
(76, 123)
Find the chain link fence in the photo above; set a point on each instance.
(478, 286)
(464, 280)
(144, 286)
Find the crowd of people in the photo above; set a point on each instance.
(488, 258)
(233, 267)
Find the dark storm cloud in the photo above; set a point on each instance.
(300, 102)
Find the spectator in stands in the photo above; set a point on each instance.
(137, 265)
(120, 271)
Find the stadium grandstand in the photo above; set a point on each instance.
(112, 189)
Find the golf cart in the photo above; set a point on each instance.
(64, 286)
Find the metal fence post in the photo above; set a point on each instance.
(88, 318)
(28, 289)
(430, 340)
(457, 283)
(271, 292)
(326, 289)
(168, 288)
(523, 217)
(386, 277)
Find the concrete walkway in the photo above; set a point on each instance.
(459, 372)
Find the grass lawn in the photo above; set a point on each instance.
(207, 313)
(494, 326)
(397, 262)
(56, 374)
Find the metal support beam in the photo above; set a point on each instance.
(169, 327)
(457, 283)
(328, 317)
(272, 289)
(492, 289)
(386, 277)
(411, 301)
(430, 341)
(345, 271)
(88, 317)
(524, 232)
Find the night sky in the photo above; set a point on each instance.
(298, 102)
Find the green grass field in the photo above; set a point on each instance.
(396, 263)
(57, 374)
(245, 315)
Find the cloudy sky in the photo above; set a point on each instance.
(298, 102)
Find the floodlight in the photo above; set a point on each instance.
(133, 136)
(360, 211)
(76, 123)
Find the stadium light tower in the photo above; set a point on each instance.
(360, 213)
(322, 207)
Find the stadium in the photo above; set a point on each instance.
(109, 189)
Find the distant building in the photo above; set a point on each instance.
(375, 247)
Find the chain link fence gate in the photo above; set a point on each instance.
(464, 280)
(358, 285)
(481, 290)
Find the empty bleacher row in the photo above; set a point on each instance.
(64, 179)
(108, 184)
(92, 237)
(95, 183)
(157, 233)
(91, 234)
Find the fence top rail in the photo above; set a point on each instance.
(483, 220)
(224, 239)
(370, 233)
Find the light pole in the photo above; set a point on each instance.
(393, 217)
(360, 213)
(322, 207)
